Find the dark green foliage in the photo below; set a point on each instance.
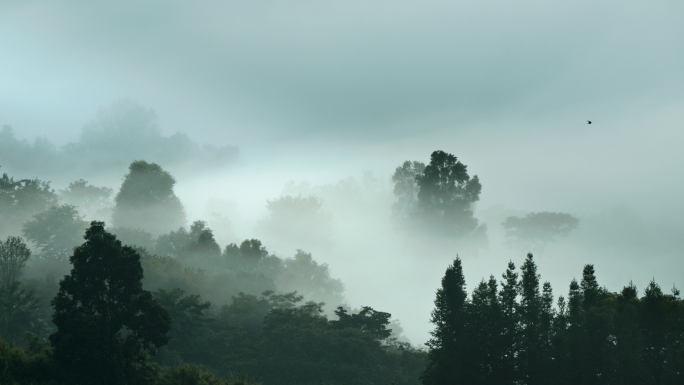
(146, 200)
(188, 318)
(450, 345)
(56, 231)
(20, 312)
(595, 337)
(106, 323)
(21, 199)
(440, 197)
(367, 320)
(447, 193)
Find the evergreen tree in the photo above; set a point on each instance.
(486, 317)
(107, 325)
(509, 330)
(449, 357)
(530, 347)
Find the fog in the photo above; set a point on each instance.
(276, 98)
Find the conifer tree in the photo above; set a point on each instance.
(449, 359)
(529, 350)
(509, 322)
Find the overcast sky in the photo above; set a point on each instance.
(326, 89)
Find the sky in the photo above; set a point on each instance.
(322, 90)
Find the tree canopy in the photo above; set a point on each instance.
(146, 200)
(106, 323)
(439, 197)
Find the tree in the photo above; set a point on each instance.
(303, 274)
(530, 346)
(146, 200)
(508, 296)
(55, 231)
(406, 188)
(13, 256)
(367, 320)
(449, 359)
(19, 308)
(107, 324)
(440, 197)
(489, 350)
(20, 312)
(20, 199)
(91, 200)
(447, 193)
(538, 229)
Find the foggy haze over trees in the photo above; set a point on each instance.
(371, 193)
(538, 229)
(118, 135)
(162, 299)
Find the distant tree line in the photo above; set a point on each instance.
(119, 134)
(510, 332)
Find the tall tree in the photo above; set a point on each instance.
(486, 313)
(146, 200)
(530, 347)
(449, 360)
(107, 324)
(508, 296)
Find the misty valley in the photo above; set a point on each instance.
(113, 283)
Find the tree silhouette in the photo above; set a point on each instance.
(107, 324)
(146, 200)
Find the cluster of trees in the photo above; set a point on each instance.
(510, 332)
(106, 326)
(118, 134)
(141, 303)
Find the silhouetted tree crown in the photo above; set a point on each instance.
(146, 200)
(440, 196)
(107, 325)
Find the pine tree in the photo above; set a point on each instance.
(508, 296)
(529, 351)
(449, 359)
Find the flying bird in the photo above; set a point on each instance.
(588, 121)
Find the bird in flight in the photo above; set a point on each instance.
(588, 121)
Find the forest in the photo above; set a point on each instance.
(145, 299)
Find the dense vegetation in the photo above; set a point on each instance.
(151, 301)
(510, 332)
